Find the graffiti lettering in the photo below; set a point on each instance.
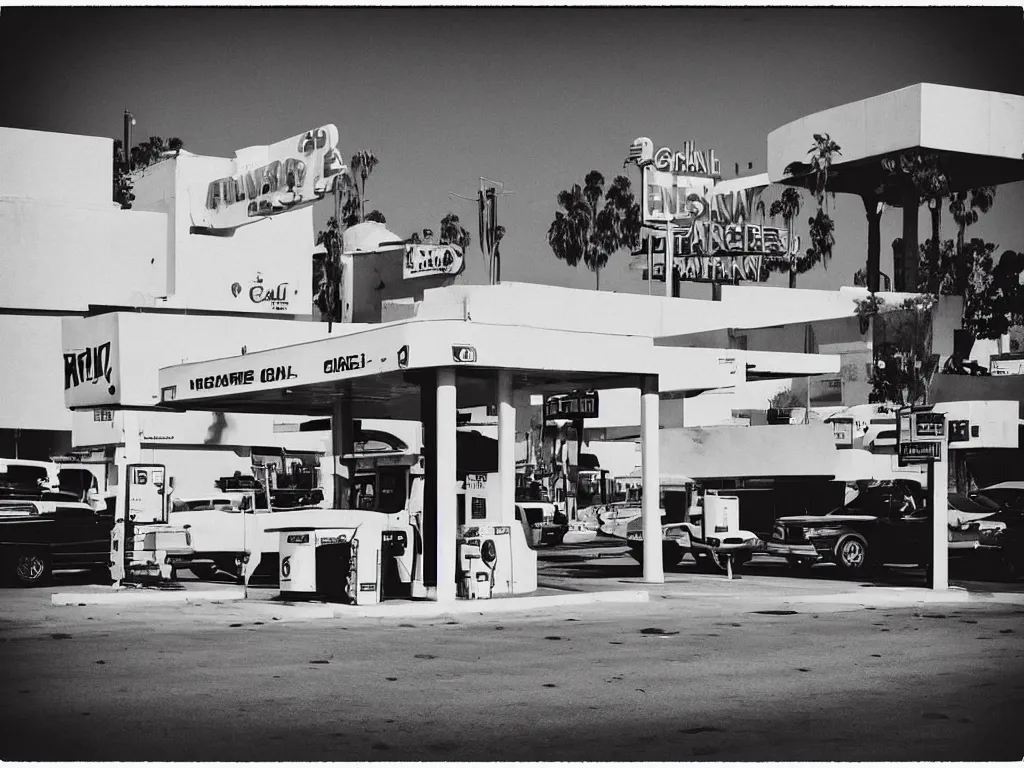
(345, 363)
(88, 366)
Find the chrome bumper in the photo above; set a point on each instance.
(792, 550)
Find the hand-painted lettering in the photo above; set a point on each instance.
(88, 366)
(233, 379)
(345, 363)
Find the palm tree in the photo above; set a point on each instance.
(363, 163)
(453, 233)
(788, 206)
(585, 231)
(965, 206)
(327, 273)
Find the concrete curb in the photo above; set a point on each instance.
(908, 596)
(501, 605)
(144, 597)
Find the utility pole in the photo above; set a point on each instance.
(129, 121)
(487, 224)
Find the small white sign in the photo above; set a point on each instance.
(432, 260)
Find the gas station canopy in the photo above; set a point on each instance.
(377, 369)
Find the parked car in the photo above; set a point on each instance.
(1008, 495)
(888, 523)
(982, 533)
(680, 538)
(542, 523)
(40, 536)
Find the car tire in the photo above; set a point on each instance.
(851, 554)
(31, 567)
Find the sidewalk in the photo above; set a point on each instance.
(578, 575)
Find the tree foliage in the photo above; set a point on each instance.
(788, 207)
(585, 230)
(816, 175)
(902, 341)
(142, 155)
(327, 273)
(361, 167)
(453, 233)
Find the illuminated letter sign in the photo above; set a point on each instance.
(290, 174)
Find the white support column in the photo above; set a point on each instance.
(937, 485)
(342, 440)
(129, 453)
(506, 448)
(444, 462)
(654, 569)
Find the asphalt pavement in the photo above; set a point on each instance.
(706, 670)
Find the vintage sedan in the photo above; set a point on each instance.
(39, 536)
(886, 524)
(985, 535)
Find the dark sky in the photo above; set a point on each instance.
(534, 97)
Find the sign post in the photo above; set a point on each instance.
(921, 439)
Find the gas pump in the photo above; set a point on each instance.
(362, 555)
(143, 546)
(494, 557)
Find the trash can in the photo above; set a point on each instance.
(297, 569)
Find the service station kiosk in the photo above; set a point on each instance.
(447, 539)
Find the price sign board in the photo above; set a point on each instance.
(920, 434)
(919, 453)
(929, 426)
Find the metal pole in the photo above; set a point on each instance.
(669, 248)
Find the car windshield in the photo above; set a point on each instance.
(885, 500)
(193, 505)
(22, 477)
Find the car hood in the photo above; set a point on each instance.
(824, 519)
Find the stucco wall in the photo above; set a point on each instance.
(229, 273)
(31, 383)
(58, 257)
(78, 169)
